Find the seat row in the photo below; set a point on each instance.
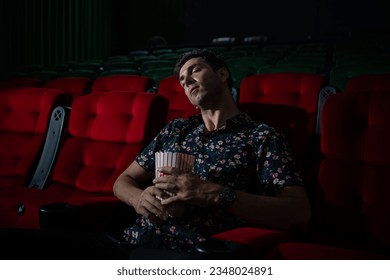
(106, 130)
(48, 157)
(303, 90)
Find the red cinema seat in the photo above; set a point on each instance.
(179, 105)
(351, 209)
(295, 89)
(24, 118)
(74, 86)
(122, 83)
(369, 83)
(20, 82)
(292, 122)
(106, 131)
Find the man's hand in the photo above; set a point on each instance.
(150, 206)
(187, 187)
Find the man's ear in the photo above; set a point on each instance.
(223, 73)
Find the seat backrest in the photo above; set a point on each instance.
(369, 82)
(290, 120)
(74, 86)
(122, 83)
(353, 192)
(107, 130)
(24, 118)
(295, 89)
(179, 105)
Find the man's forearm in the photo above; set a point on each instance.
(288, 211)
(127, 190)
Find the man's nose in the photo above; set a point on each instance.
(188, 81)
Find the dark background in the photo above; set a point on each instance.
(49, 32)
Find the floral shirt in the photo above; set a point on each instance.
(244, 155)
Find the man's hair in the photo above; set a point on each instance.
(209, 57)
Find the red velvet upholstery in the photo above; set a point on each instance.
(123, 83)
(74, 86)
(20, 82)
(369, 83)
(352, 207)
(357, 157)
(179, 105)
(24, 117)
(296, 89)
(290, 120)
(106, 131)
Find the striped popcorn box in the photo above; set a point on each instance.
(183, 162)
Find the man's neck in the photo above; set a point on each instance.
(215, 119)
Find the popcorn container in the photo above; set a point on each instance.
(181, 161)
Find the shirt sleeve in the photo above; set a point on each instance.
(276, 165)
(146, 159)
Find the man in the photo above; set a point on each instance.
(243, 173)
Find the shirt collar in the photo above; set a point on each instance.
(238, 120)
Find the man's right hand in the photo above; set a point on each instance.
(150, 206)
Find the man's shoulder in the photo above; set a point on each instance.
(264, 132)
(245, 120)
(261, 127)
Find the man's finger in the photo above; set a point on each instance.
(169, 200)
(168, 170)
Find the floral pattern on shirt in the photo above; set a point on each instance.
(244, 155)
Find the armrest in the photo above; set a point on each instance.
(258, 241)
(214, 248)
(97, 214)
(60, 216)
(54, 135)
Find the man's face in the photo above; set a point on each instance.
(199, 80)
